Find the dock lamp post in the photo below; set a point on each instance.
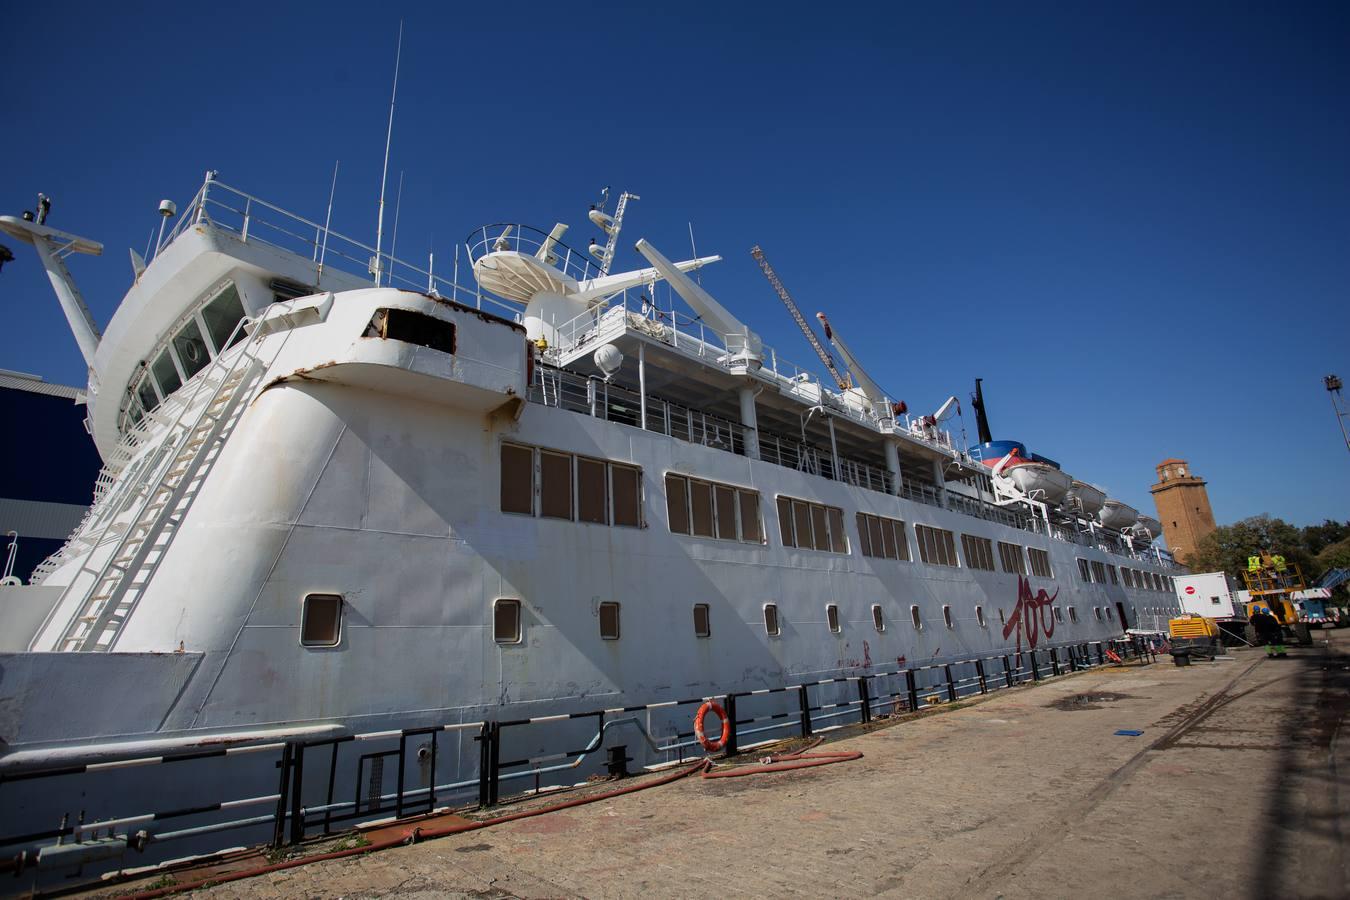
(1334, 385)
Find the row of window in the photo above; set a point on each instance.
(811, 526)
(506, 627)
(199, 339)
(1099, 573)
(321, 619)
(710, 509)
(556, 485)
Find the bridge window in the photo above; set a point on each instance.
(191, 349)
(166, 373)
(220, 315)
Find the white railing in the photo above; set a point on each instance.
(256, 220)
(504, 236)
(631, 310)
(592, 396)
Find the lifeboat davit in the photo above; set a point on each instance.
(1089, 498)
(1117, 515)
(1040, 481)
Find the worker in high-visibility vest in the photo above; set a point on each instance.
(1268, 632)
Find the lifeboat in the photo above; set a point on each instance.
(1148, 525)
(1117, 515)
(1040, 481)
(1088, 497)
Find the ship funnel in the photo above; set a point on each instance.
(981, 420)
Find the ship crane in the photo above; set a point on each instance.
(839, 378)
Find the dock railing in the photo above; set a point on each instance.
(321, 783)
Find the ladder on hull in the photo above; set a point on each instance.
(176, 471)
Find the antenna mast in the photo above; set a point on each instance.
(378, 267)
(839, 378)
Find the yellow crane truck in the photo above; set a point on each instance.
(1271, 585)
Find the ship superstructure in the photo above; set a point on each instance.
(331, 505)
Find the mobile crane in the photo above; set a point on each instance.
(1272, 585)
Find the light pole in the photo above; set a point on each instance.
(1333, 383)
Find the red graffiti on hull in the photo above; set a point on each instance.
(1031, 616)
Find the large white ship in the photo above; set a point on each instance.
(346, 496)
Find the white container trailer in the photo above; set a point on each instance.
(1212, 595)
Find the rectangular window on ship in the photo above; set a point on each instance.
(1010, 556)
(936, 546)
(517, 479)
(979, 552)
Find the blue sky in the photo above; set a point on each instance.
(1133, 220)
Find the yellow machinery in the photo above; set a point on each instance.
(1193, 635)
(1272, 583)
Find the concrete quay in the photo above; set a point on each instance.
(1236, 787)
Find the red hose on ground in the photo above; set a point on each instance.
(802, 759)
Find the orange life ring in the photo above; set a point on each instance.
(712, 746)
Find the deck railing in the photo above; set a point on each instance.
(253, 219)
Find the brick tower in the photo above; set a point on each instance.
(1183, 507)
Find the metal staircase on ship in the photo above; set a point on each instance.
(160, 486)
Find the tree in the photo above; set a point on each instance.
(1317, 538)
(1334, 556)
(1226, 549)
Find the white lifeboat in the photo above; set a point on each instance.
(1040, 481)
(1149, 525)
(1089, 498)
(1117, 515)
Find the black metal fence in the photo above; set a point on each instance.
(322, 783)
